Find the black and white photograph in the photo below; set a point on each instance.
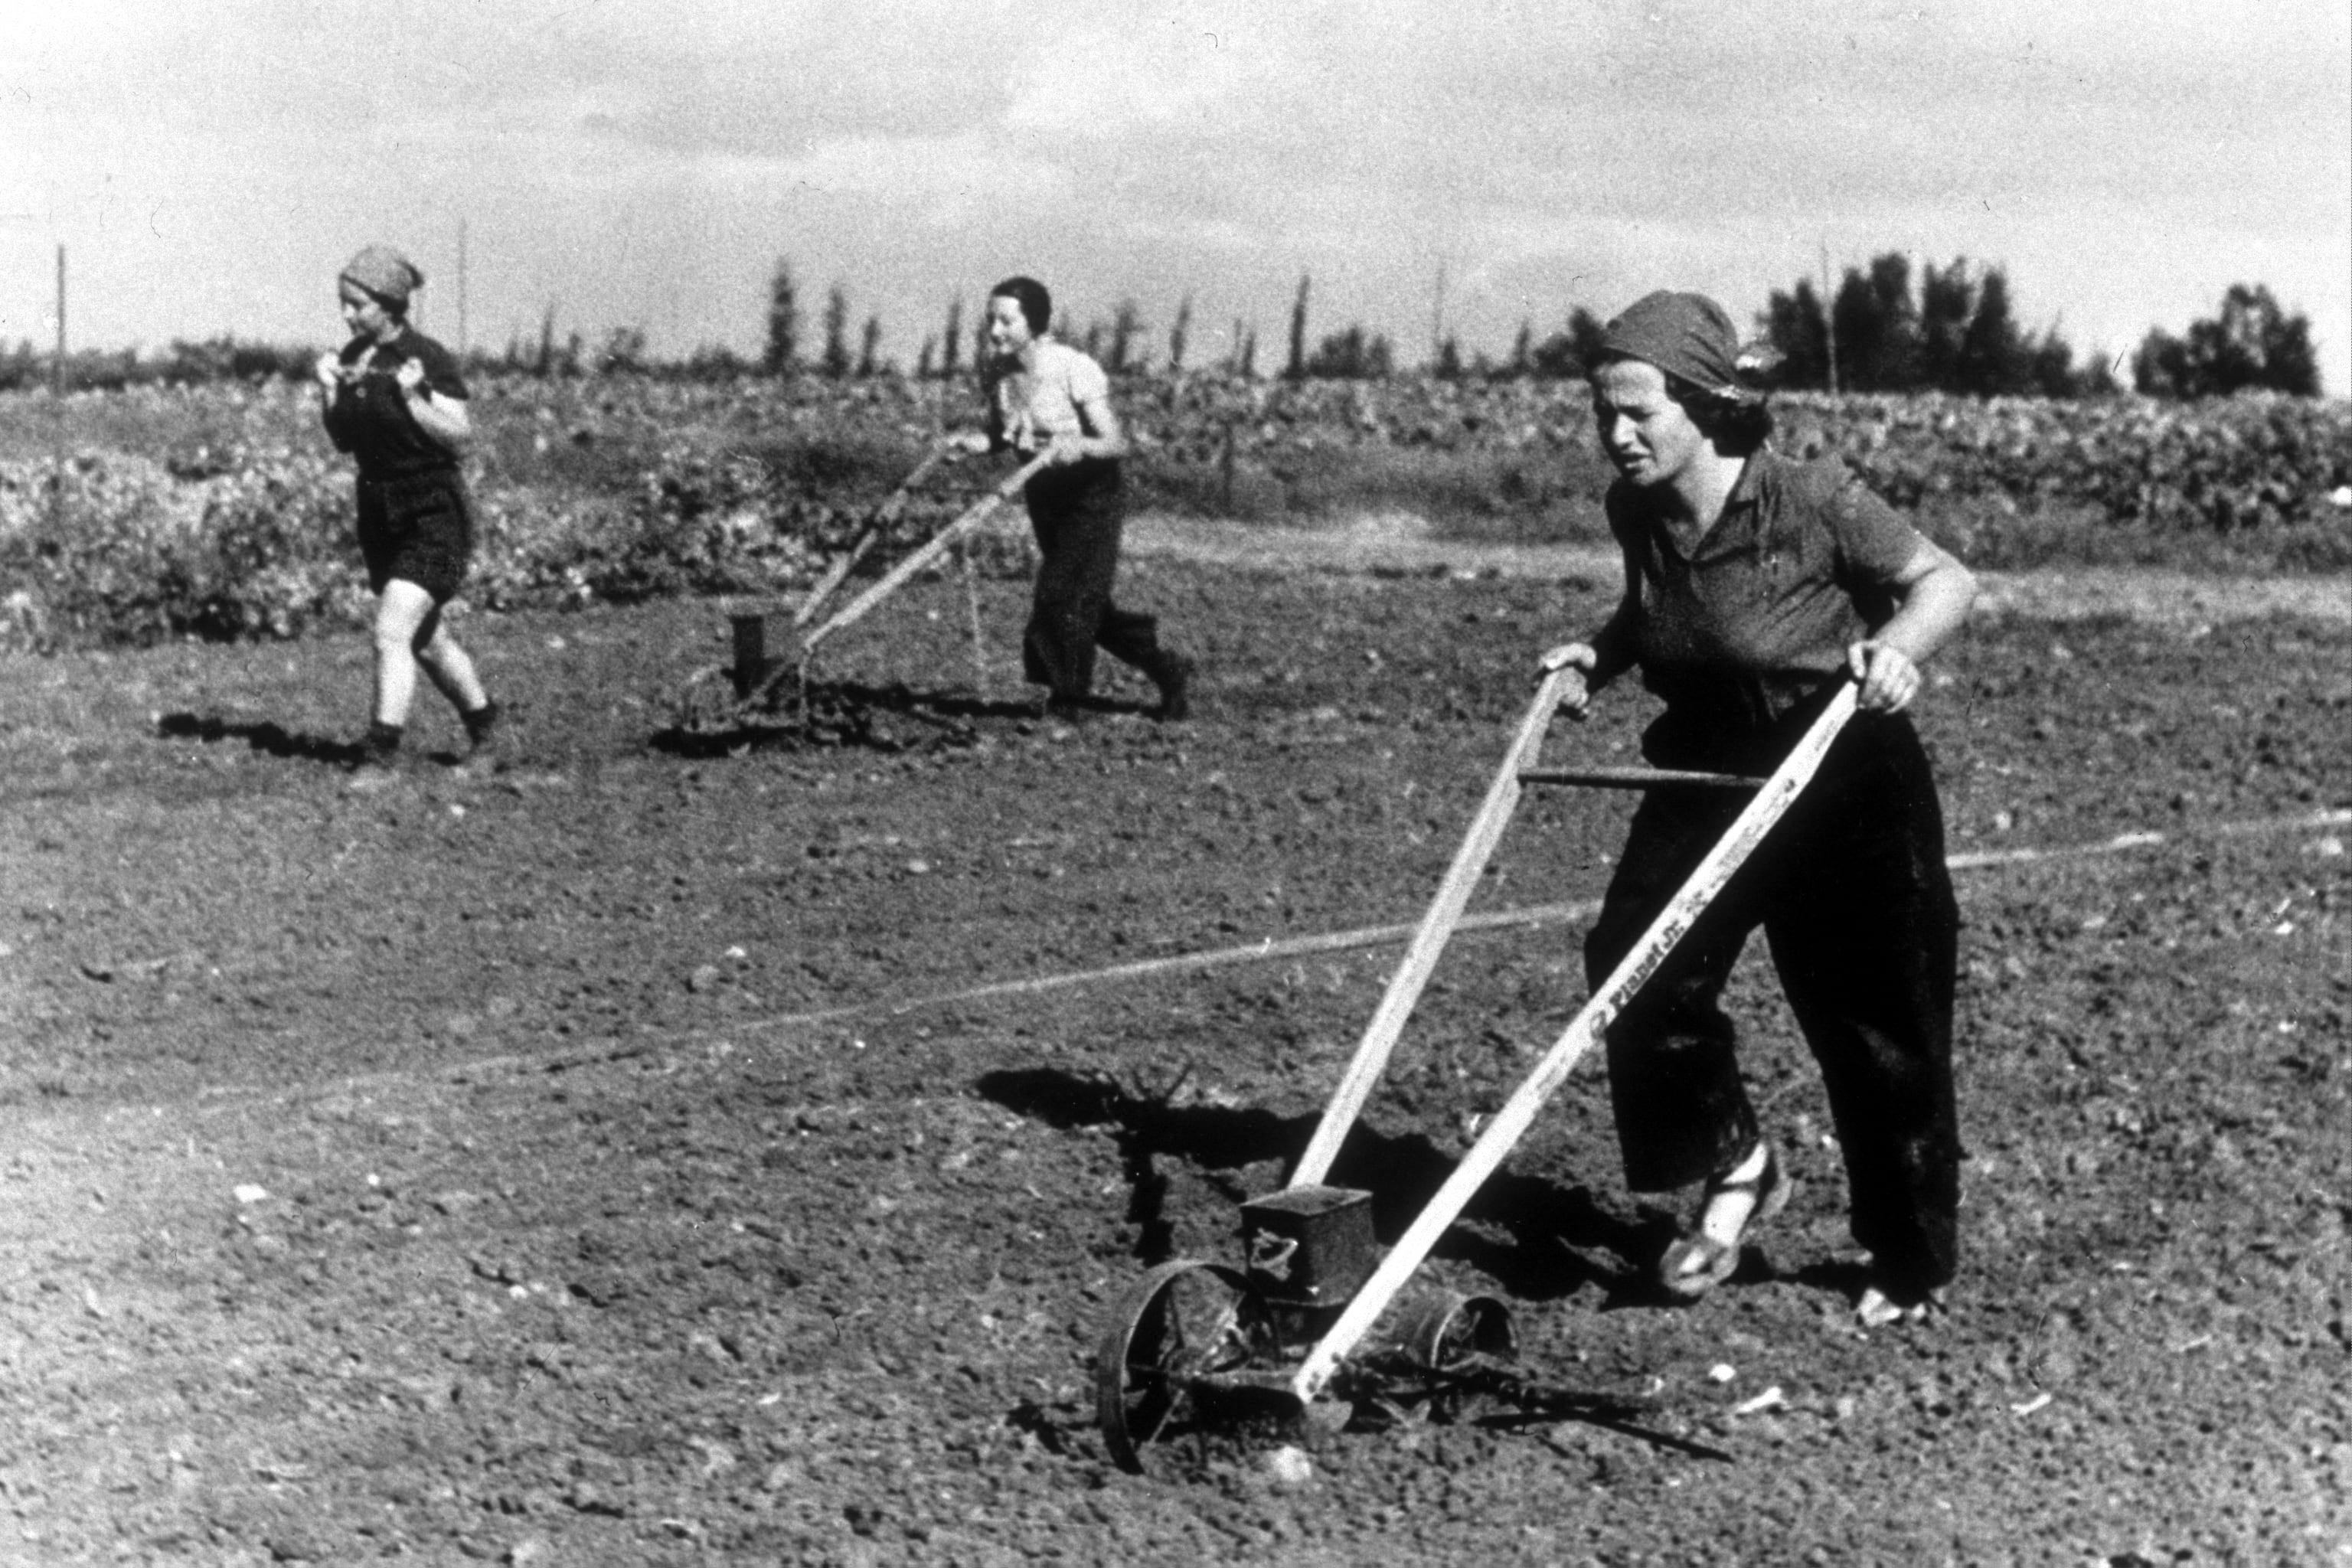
(1320, 784)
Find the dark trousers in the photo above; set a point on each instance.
(1077, 513)
(1856, 904)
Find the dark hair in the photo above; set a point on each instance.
(1036, 305)
(1737, 422)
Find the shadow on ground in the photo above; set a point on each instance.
(266, 736)
(713, 721)
(1552, 1241)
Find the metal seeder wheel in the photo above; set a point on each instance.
(1177, 1328)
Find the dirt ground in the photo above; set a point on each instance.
(651, 1154)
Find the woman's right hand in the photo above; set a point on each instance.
(330, 371)
(1579, 657)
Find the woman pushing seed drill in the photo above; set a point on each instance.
(1754, 585)
(1044, 396)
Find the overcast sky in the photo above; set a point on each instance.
(209, 165)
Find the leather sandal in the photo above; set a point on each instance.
(1697, 1263)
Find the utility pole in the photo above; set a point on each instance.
(57, 368)
(1829, 316)
(461, 288)
(1437, 320)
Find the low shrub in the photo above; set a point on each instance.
(220, 511)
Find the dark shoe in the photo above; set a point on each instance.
(481, 725)
(1697, 1263)
(485, 749)
(1174, 679)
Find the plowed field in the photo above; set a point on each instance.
(651, 1154)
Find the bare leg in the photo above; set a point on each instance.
(452, 671)
(400, 617)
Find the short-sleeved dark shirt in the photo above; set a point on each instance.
(1758, 617)
(369, 418)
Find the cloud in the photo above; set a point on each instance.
(947, 179)
(1207, 71)
(2126, 160)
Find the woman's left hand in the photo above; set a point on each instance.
(411, 377)
(1888, 679)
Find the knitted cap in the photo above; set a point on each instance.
(385, 273)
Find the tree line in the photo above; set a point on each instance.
(1957, 332)
(1960, 334)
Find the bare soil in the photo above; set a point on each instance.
(567, 1166)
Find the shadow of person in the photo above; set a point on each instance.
(266, 736)
(1536, 1239)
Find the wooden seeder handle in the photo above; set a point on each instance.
(969, 519)
(1429, 938)
(884, 516)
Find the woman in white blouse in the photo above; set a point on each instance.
(1044, 396)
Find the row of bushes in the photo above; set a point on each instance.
(221, 513)
(116, 548)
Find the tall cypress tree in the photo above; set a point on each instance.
(784, 323)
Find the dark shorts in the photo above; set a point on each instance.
(419, 528)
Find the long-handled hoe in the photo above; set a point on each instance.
(1192, 1341)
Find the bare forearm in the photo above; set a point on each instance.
(1111, 446)
(443, 419)
(1934, 607)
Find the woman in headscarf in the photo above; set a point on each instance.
(1753, 585)
(1046, 397)
(394, 399)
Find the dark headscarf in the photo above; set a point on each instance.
(1686, 335)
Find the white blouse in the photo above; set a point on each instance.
(1028, 408)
